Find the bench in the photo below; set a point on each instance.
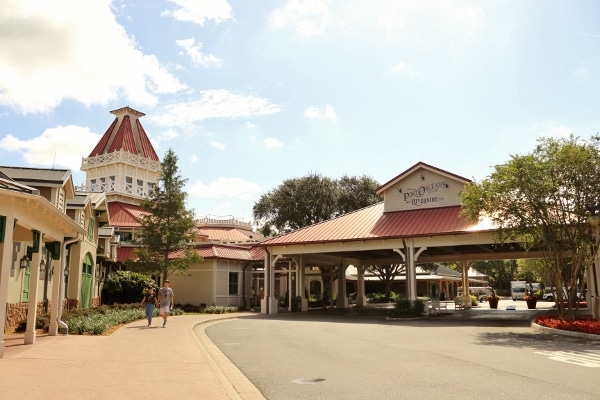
(459, 303)
(437, 305)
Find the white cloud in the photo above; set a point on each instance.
(551, 129)
(313, 113)
(54, 147)
(456, 19)
(194, 50)
(193, 159)
(523, 138)
(226, 187)
(307, 17)
(215, 104)
(200, 11)
(399, 19)
(53, 51)
(250, 125)
(218, 145)
(164, 136)
(404, 69)
(272, 143)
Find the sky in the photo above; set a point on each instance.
(250, 93)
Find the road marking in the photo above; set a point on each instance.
(586, 358)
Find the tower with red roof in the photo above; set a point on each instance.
(123, 164)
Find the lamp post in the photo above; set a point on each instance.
(594, 221)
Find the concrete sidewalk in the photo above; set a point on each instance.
(177, 362)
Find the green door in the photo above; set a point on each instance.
(26, 282)
(86, 282)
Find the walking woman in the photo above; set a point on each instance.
(149, 302)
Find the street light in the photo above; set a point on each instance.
(24, 263)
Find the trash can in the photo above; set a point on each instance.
(296, 303)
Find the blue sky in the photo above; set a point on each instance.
(250, 93)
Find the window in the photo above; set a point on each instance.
(233, 283)
(129, 184)
(150, 187)
(91, 229)
(102, 184)
(93, 185)
(140, 187)
(125, 236)
(111, 179)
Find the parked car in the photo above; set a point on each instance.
(550, 294)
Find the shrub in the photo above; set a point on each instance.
(404, 308)
(474, 301)
(125, 287)
(221, 309)
(377, 298)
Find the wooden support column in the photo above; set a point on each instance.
(57, 280)
(341, 299)
(6, 261)
(33, 287)
(268, 305)
(302, 279)
(465, 282)
(361, 299)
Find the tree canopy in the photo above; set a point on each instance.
(300, 202)
(542, 200)
(168, 229)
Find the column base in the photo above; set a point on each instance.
(30, 337)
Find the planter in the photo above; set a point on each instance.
(493, 301)
(531, 302)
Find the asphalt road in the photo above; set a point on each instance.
(317, 356)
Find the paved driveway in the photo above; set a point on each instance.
(321, 356)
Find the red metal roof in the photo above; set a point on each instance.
(124, 215)
(229, 234)
(123, 253)
(222, 251)
(372, 223)
(145, 142)
(219, 251)
(122, 137)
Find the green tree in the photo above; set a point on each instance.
(356, 192)
(541, 200)
(300, 202)
(387, 274)
(167, 230)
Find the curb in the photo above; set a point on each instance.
(234, 382)
(563, 332)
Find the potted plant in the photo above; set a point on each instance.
(493, 299)
(530, 297)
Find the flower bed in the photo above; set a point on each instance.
(579, 304)
(580, 324)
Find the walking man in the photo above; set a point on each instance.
(165, 297)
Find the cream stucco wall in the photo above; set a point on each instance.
(208, 283)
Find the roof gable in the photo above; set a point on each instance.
(422, 186)
(125, 215)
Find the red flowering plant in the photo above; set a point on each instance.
(579, 324)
